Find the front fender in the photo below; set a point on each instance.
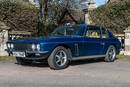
(51, 46)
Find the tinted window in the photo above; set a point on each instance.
(93, 32)
(69, 30)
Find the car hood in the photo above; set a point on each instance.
(44, 39)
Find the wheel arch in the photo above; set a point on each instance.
(67, 47)
(114, 45)
(109, 46)
(117, 49)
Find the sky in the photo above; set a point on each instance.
(100, 2)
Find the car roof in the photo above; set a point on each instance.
(94, 25)
(85, 25)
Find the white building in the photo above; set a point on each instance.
(91, 6)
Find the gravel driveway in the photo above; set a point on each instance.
(86, 73)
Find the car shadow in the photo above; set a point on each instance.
(86, 61)
(72, 63)
(36, 64)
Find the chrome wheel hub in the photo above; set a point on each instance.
(61, 58)
(112, 53)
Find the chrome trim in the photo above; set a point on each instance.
(76, 49)
(102, 44)
(44, 52)
(36, 52)
(87, 57)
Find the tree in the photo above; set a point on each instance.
(51, 10)
(114, 16)
(18, 15)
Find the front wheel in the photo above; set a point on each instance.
(111, 54)
(59, 58)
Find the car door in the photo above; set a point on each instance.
(92, 41)
(105, 40)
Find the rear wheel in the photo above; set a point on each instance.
(59, 58)
(22, 61)
(111, 54)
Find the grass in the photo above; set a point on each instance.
(123, 57)
(7, 58)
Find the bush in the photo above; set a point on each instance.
(18, 15)
(114, 16)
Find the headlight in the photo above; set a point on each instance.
(33, 46)
(11, 46)
(38, 47)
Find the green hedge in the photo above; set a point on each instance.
(114, 16)
(18, 15)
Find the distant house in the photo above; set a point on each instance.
(72, 16)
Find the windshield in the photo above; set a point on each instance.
(68, 30)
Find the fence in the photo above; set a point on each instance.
(121, 38)
(19, 34)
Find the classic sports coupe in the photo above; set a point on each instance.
(67, 43)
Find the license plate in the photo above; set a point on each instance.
(19, 54)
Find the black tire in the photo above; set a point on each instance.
(55, 59)
(22, 61)
(111, 54)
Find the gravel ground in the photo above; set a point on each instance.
(86, 73)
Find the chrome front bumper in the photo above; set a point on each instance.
(40, 52)
(37, 55)
(32, 55)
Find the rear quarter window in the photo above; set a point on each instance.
(104, 33)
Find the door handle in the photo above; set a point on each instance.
(102, 43)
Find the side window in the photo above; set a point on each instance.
(61, 31)
(104, 33)
(93, 32)
(74, 30)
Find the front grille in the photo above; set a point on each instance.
(22, 47)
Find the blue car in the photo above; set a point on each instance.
(66, 43)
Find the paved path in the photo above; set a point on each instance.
(85, 73)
